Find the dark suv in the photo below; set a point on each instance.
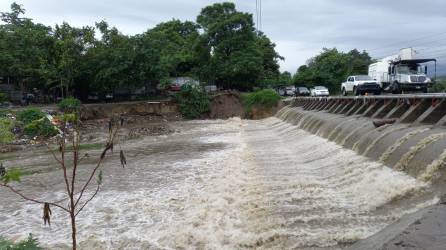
(302, 91)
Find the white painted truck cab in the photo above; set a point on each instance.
(402, 72)
(359, 85)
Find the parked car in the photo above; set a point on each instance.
(319, 91)
(281, 90)
(290, 90)
(302, 91)
(359, 85)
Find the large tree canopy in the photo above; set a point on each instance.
(25, 47)
(222, 47)
(239, 57)
(331, 67)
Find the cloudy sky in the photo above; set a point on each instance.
(300, 28)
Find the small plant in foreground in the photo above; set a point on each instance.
(68, 162)
(28, 244)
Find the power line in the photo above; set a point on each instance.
(435, 42)
(257, 15)
(392, 45)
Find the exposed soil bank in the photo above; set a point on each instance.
(261, 112)
(425, 229)
(224, 105)
(96, 111)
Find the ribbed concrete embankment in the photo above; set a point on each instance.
(410, 137)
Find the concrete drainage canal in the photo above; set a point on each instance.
(319, 175)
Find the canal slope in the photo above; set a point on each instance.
(226, 184)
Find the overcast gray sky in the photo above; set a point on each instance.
(300, 28)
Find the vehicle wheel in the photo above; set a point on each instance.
(355, 91)
(424, 90)
(378, 92)
(396, 89)
(344, 92)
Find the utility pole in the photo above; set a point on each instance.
(258, 15)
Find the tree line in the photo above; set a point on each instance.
(331, 67)
(221, 47)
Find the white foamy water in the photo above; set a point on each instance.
(230, 184)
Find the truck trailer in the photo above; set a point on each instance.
(402, 72)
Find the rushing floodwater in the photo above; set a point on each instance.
(230, 184)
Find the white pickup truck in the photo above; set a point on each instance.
(359, 85)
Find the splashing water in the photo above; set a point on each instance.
(230, 184)
(400, 142)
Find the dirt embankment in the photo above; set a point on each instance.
(261, 112)
(98, 111)
(226, 105)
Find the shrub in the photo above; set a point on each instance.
(3, 97)
(439, 86)
(42, 127)
(193, 102)
(3, 113)
(6, 136)
(265, 98)
(28, 115)
(28, 244)
(69, 104)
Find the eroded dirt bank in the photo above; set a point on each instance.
(223, 184)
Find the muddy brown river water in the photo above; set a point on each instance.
(223, 184)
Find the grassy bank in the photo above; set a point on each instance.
(263, 98)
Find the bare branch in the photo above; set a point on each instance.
(31, 199)
(91, 198)
(54, 155)
(64, 168)
(98, 164)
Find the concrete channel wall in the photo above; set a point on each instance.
(404, 132)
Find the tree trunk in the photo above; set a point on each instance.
(61, 89)
(73, 227)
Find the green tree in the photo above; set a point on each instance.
(71, 44)
(237, 57)
(24, 48)
(112, 59)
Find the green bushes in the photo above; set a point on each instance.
(439, 86)
(35, 123)
(28, 115)
(265, 98)
(193, 102)
(28, 244)
(3, 97)
(6, 136)
(69, 105)
(42, 127)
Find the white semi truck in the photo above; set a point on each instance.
(402, 72)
